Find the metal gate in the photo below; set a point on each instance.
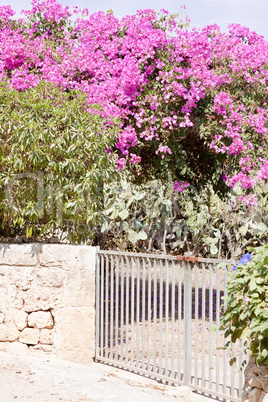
(160, 315)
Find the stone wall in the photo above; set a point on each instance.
(47, 300)
(256, 383)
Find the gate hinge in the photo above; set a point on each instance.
(184, 258)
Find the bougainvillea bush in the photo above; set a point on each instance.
(191, 101)
(192, 104)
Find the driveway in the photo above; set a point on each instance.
(38, 378)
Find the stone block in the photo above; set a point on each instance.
(5, 270)
(42, 348)
(4, 281)
(40, 319)
(254, 395)
(21, 319)
(255, 382)
(2, 318)
(263, 397)
(9, 316)
(45, 298)
(9, 332)
(79, 289)
(30, 336)
(75, 334)
(68, 256)
(3, 299)
(3, 346)
(11, 294)
(22, 277)
(46, 336)
(50, 277)
(16, 348)
(19, 301)
(19, 254)
(256, 370)
(265, 385)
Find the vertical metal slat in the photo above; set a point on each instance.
(106, 305)
(102, 302)
(122, 279)
(155, 314)
(132, 307)
(167, 318)
(112, 310)
(143, 313)
(161, 317)
(179, 320)
(97, 304)
(127, 306)
(218, 291)
(225, 352)
(187, 323)
(203, 323)
(210, 324)
(116, 307)
(138, 314)
(196, 323)
(172, 319)
(149, 313)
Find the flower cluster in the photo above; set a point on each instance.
(180, 187)
(181, 95)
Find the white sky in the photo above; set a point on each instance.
(251, 13)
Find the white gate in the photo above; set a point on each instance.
(159, 315)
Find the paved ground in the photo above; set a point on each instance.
(39, 379)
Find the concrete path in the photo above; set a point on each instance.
(40, 379)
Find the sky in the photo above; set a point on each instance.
(250, 13)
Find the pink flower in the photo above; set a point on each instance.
(134, 159)
(163, 149)
(249, 200)
(6, 12)
(121, 163)
(180, 187)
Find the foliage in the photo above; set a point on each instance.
(246, 314)
(149, 217)
(53, 162)
(192, 103)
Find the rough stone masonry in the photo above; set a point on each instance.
(256, 383)
(47, 300)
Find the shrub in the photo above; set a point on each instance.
(246, 315)
(53, 162)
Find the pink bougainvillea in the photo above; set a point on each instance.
(191, 101)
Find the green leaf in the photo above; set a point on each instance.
(29, 231)
(214, 250)
(123, 214)
(245, 333)
(124, 226)
(105, 227)
(232, 361)
(142, 235)
(264, 353)
(137, 224)
(139, 196)
(133, 236)
(264, 328)
(252, 285)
